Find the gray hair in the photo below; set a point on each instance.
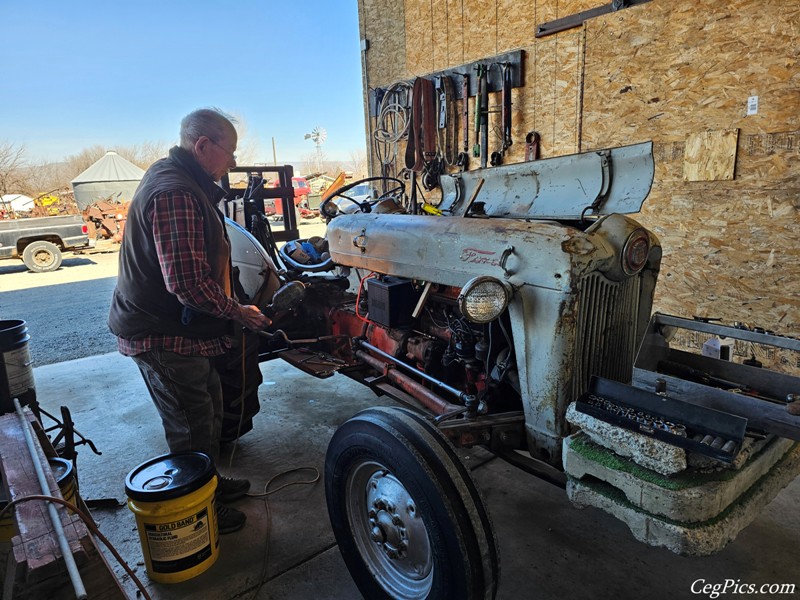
(209, 122)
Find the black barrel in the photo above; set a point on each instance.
(16, 367)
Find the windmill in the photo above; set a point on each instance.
(318, 135)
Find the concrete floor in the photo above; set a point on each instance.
(549, 549)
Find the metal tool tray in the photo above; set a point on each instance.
(757, 394)
(697, 421)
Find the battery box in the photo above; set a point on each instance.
(391, 301)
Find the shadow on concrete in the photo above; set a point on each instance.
(77, 261)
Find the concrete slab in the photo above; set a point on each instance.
(646, 451)
(688, 497)
(548, 548)
(693, 539)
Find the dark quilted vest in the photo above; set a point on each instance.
(141, 305)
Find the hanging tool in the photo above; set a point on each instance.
(447, 132)
(481, 147)
(484, 118)
(441, 98)
(476, 149)
(505, 114)
(463, 157)
(505, 69)
(532, 146)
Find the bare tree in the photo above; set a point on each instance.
(315, 162)
(12, 168)
(46, 177)
(78, 163)
(358, 163)
(145, 154)
(248, 148)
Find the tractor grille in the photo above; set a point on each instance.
(606, 330)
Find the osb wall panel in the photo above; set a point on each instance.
(675, 67)
(419, 35)
(672, 71)
(440, 34)
(382, 23)
(455, 32)
(550, 100)
(516, 24)
(480, 29)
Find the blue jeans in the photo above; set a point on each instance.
(188, 395)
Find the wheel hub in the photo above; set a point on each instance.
(43, 258)
(388, 530)
(394, 526)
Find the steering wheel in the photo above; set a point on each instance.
(365, 206)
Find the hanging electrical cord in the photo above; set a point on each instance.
(241, 398)
(90, 525)
(392, 125)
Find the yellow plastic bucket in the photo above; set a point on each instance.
(64, 474)
(172, 497)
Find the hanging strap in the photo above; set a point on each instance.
(421, 146)
(448, 120)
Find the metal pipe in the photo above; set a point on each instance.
(426, 397)
(456, 392)
(69, 560)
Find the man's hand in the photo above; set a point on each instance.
(251, 317)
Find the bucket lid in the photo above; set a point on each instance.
(169, 476)
(62, 469)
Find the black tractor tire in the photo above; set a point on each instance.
(407, 516)
(41, 256)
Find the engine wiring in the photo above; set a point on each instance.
(358, 297)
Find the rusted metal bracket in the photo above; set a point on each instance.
(576, 20)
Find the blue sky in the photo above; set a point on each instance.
(76, 74)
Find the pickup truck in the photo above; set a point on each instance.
(40, 241)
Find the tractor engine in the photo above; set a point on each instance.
(483, 317)
(491, 312)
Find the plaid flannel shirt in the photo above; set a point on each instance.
(180, 245)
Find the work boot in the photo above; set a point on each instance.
(229, 519)
(229, 489)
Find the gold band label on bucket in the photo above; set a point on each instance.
(179, 545)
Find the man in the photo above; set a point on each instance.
(173, 309)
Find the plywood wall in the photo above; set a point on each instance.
(673, 71)
(670, 71)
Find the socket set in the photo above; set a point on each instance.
(694, 428)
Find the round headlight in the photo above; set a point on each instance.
(483, 299)
(635, 252)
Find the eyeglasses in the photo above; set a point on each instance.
(231, 154)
